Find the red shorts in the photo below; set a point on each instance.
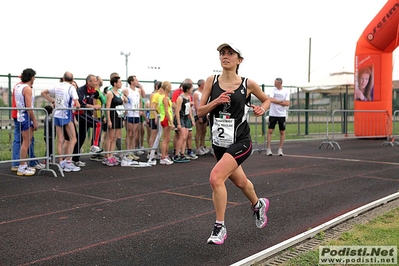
(165, 122)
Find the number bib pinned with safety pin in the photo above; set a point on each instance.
(223, 131)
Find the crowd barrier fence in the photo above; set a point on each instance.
(347, 128)
(301, 124)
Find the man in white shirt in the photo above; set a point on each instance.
(280, 99)
(64, 98)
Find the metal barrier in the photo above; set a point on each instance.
(349, 121)
(314, 127)
(6, 143)
(6, 111)
(395, 128)
(89, 137)
(298, 125)
(257, 120)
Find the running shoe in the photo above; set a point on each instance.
(260, 213)
(218, 235)
(192, 156)
(212, 152)
(39, 166)
(269, 152)
(133, 156)
(166, 161)
(152, 162)
(79, 164)
(97, 157)
(95, 149)
(108, 161)
(25, 171)
(280, 152)
(14, 168)
(114, 160)
(70, 167)
(180, 159)
(200, 152)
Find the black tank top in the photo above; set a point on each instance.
(185, 105)
(237, 109)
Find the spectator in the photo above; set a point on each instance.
(132, 116)
(201, 123)
(183, 113)
(166, 118)
(86, 119)
(48, 123)
(65, 93)
(25, 120)
(115, 98)
(33, 164)
(154, 115)
(280, 99)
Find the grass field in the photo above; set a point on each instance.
(381, 231)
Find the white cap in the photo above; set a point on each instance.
(232, 46)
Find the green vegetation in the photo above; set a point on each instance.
(381, 231)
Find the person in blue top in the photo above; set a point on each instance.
(226, 98)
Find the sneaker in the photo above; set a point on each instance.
(280, 152)
(166, 161)
(97, 157)
(108, 161)
(14, 168)
(133, 157)
(79, 164)
(218, 235)
(269, 152)
(180, 159)
(212, 152)
(114, 160)
(39, 166)
(25, 171)
(127, 158)
(205, 149)
(192, 156)
(95, 149)
(156, 156)
(32, 169)
(70, 167)
(200, 152)
(140, 152)
(260, 213)
(152, 162)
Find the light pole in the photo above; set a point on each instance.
(126, 60)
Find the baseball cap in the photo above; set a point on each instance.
(232, 46)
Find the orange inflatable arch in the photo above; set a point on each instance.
(373, 73)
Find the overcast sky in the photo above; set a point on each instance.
(86, 37)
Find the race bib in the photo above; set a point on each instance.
(223, 132)
(120, 110)
(59, 102)
(187, 109)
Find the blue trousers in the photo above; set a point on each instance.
(16, 146)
